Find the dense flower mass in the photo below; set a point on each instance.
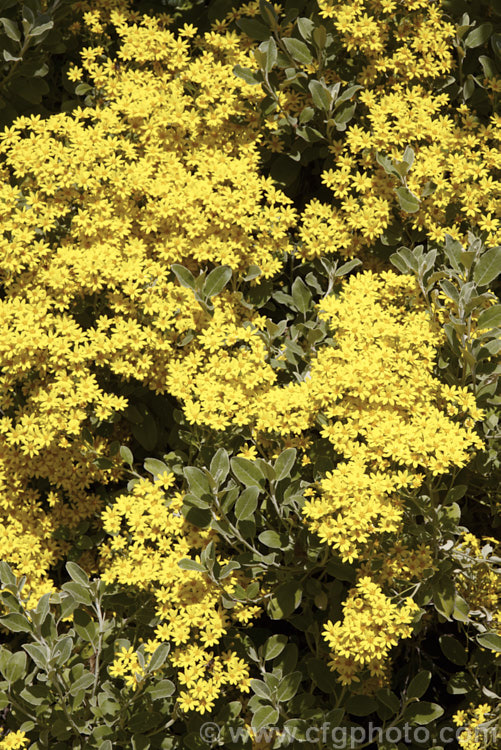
(94, 212)
(372, 624)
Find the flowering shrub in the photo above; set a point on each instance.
(242, 478)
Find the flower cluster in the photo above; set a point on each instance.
(372, 396)
(127, 666)
(372, 624)
(14, 741)
(480, 581)
(472, 736)
(149, 538)
(94, 212)
(204, 675)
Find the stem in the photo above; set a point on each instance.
(99, 645)
(65, 709)
(13, 67)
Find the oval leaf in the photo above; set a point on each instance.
(217, 280)
(407, 200)
(419, 684)
(246, 504)
(423, 712)
(284, 463)
(488, 267)
(247, 472)
(490, 318)
(298, 50)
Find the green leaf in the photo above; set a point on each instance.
(419, 684)
(488, 66)
(408, 156)
(220, 465)
(341, 571)
(77, 574)
(82, 89)
(156, 467)
(217, 280)
(246, 74)
(488, 267)
(254, 29)
(16, 623)
(247, 472)
(252, 273)
(63, 649)
(43, 607)
(85, 626)
(79, 593)
(360, 705)
(36, 694)
(158, 657)
(183, 275)
(321, 675)
(15, 667)
(407, 200)
(322, 97)
(268, 50)
(301, 295)
(268, 13)
(288, 686)
(388, 699)
(83, 682)
(461, 609)
(126, 455)
(305, 26)
(161, 689)
(478, 36)
(38, 654)
(261, 689)
(344, 115)
(307, 114)
(192, 501)
(6, 575)
(198, 516)
(198, 481)
(285, 600)
(319, 37)
(348, 94)
(490, 318)
(10, 58)
(453, 649)
(284, 463)
(284, 170)
(443, 596)
(274, 646)
(188, 564)
(422, 712)
(348, 266)
(11, 29)
(227, 569)
(246, 504)
(491, 641)
(266, 716)
(400, 263)
(39, 30)
(298, 50)
(270, 538)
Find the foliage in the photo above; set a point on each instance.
(243, 478)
